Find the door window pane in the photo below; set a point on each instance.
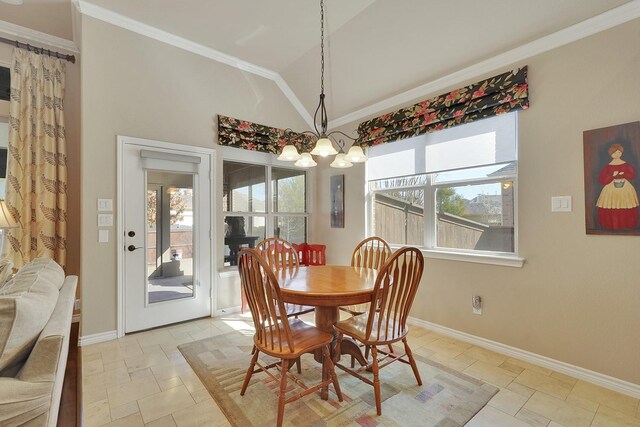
(398, 216)
(244, 187)
(476, 217)
(288, 189)
(291, 228)
(170, 213)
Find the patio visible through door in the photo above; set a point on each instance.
(166, 226)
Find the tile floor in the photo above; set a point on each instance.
(142, 379)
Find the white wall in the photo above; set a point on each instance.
(139, 87)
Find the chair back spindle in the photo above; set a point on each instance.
(372, 252)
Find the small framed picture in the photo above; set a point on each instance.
(611, 182)
(337, 201)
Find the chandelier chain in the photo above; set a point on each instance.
(321, 46)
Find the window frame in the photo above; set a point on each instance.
(430, 248)
(236, 155)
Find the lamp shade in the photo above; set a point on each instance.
(356, 155)
(340, 162)
(306, 161)
(289, 153)
(6, 219)
(324, 148)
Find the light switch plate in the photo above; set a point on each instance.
(103, 236)
(105, 220)
(561, 204)
(105, 205)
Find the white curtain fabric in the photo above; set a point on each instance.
(37, 163)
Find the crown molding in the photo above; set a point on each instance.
(27, 35)
(138, 27)
(291, 96)
(586, 28)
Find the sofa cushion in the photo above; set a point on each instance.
(25, 307)
(46, 268)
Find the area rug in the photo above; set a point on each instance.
(447, 398)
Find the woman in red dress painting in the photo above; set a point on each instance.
(618, 201)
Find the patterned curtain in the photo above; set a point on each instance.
(37, 168)
(497, 95)
(256, 137)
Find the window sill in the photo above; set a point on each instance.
(501, 260)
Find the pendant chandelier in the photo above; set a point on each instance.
(323, 139)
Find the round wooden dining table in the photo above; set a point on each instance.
(327, 287)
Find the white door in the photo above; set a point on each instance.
(166, 222)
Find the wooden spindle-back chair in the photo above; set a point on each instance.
(386, 321)
(372, 252)
(279, 337)
(281, 255)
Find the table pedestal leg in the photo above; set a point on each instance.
(351, 348)
(325, 318)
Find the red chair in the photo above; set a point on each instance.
(311, 254)
(301, 250)
(316, 255)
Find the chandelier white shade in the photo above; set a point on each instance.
(289, 153)
(340, 162)
(324, 148)
(355, 154)
(305, 161)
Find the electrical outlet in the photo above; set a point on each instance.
(476, 304)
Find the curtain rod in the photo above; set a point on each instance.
(39, 50)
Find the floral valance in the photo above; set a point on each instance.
(496, 95)
(256, 137)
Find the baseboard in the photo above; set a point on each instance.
(96, 338)
(226, 311)
(602, 380)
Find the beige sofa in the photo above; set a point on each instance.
(36, 308)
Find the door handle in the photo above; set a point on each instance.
(132, 248)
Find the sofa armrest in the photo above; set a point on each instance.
(23, 401)
(44, 360)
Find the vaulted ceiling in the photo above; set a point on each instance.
(375, 49)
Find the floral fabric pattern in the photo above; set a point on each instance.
(496, 95)
(37, 163)
(255, 137)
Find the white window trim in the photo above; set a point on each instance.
(429, 250)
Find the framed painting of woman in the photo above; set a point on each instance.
(611, 180)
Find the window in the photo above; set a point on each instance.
(254, 210)
(448, 191)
